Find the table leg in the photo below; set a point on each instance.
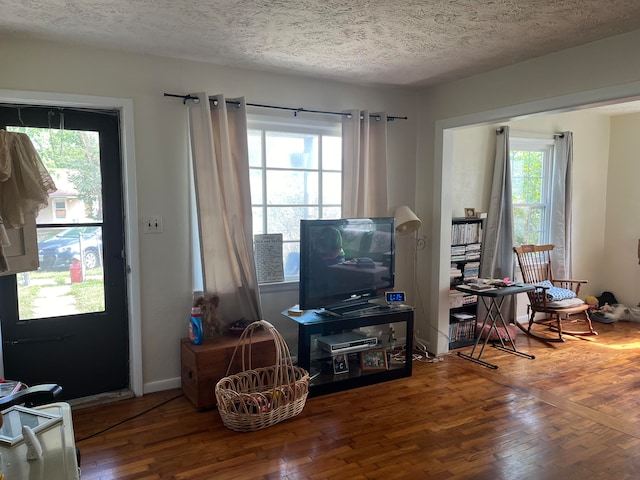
(513, 350)
(487, 318)
(493, 306)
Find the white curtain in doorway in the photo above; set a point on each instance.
(218, 134)
(364, 165)
(560, 231)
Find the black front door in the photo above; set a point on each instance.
(67, 322)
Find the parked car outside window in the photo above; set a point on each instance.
(59, 247)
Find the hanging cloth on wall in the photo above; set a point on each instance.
(25, 184)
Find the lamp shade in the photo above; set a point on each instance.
(406, 221)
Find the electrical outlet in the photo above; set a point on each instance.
(152, 224)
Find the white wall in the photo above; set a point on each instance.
(621, 227)
(472, 169)
(599, 72)
(161, 166)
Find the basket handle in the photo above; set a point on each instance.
(284, 371)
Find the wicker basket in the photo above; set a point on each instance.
(258, 398)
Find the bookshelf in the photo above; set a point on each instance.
(466, 253)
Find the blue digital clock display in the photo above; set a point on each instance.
(395, 297)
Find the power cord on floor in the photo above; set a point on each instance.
(130, 418)
(420, 350)
(419, 354)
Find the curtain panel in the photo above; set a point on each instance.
(497, 247)
(561, 204)
(219, 152)
(364, 165)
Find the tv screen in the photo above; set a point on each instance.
(345, 260)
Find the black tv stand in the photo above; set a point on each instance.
(319, 363)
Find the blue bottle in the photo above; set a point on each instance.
(195, 326)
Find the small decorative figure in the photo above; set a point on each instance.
(211, 316)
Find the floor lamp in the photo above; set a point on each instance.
(408, 223)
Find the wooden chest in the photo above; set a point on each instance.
(203, 365)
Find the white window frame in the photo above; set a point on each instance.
(546, 147)
(327, 126)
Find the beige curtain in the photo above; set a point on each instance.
(218, 134)
(364, 165)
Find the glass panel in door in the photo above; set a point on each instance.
(70, 278)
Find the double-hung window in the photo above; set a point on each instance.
(296, 173)
(531, 162)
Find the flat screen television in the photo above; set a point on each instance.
(345, 262)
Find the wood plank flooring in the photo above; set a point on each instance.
(572, 413)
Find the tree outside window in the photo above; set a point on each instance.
(530, 181)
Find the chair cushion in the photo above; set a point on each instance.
(566, 303)
(555, 294)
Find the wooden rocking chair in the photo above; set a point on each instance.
(535, 265)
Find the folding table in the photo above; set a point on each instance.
(493, 299)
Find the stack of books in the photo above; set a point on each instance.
(466, 233)
(458, 253)
(479, 286)
(463, 328)
(471, 271)
(472, 251)
(455, 274)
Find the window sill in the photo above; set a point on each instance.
(278, 287)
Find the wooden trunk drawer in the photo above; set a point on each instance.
(203, 365)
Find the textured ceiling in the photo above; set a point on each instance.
(392, 42)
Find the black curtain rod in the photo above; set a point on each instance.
(499, 130)
(291, 109)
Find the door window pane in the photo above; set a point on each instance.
(70, 278)
(72, 158)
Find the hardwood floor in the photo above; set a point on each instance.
(572, 413)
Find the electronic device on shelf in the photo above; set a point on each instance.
(346, 342)
(345, 262)
(395, 298)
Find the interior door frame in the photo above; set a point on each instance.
(443, 174)
(125, 107)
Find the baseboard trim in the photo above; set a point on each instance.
(159, 386)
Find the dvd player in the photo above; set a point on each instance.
(346, 342)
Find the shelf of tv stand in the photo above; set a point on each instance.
(311, 326)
